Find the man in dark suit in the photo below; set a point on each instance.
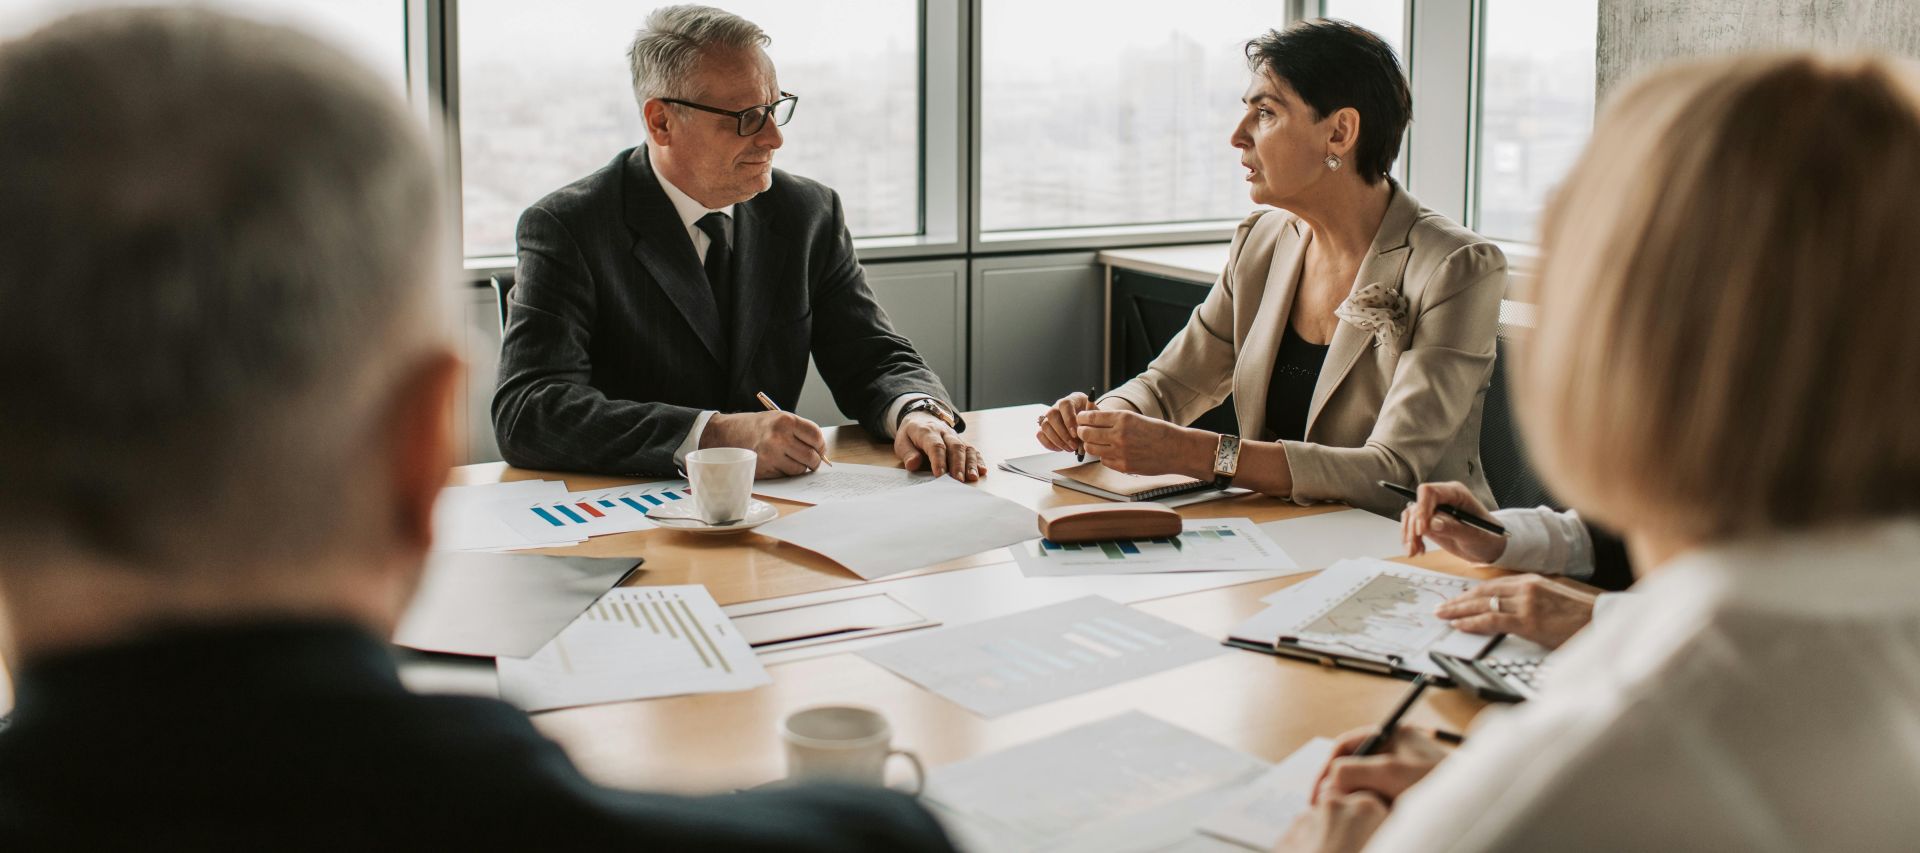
(226, 398)
(658, 295)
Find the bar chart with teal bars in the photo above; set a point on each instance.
(599, 512)
(635, 643)
(1203, 545)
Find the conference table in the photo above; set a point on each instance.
(1264, 705)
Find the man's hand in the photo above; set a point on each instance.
(1422, 518)
(787, 443)
(1409, 757)
(1547, 611)
(1136, 444)
(924, 440)
(1335, 825)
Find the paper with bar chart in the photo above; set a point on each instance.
(1204, 545)
(635, 643)
(1014, 662)
(1370, 609)
(622, 509)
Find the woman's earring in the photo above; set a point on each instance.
(1333, 163)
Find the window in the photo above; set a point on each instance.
(1536, 108)
(1115, 115)
(374, 31)
(1386, 18)
(545, 99)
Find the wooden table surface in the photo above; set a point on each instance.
(1264, 705)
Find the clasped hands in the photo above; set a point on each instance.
(788, 444)
(1126, 441)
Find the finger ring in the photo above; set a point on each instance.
(1495, 603)
(1040, 420)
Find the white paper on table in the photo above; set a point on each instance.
(502, 604)
(838, 482)
(1318, 541)
(636, 643)
(906, 529)
(1257, 815)
(463, 518)
(1204, 545)
(598, 512)
(1127, 783)
(1370, 609)
(1014, 662)
(1041, 466)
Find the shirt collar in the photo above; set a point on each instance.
(690, 211)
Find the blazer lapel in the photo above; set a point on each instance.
(1253, 369)
(661, 244)
(759, 255)
(1386, 262)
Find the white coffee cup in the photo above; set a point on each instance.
(722, 480)
(841, 743)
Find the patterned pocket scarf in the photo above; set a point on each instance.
(1378, 308)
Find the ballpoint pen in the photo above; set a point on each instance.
(775, 407)
(1379, 739)
(1463, 516)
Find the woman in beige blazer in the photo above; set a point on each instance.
(1354, 328)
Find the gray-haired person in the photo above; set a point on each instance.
(224, 409)
(657, 296)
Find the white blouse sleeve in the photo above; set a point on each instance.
(1546, 541)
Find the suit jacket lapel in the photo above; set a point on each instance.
(1253, 369)
(759, 255)
(661, 244)
(1386, 262)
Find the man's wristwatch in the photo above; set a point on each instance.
(930, 406)
(1226, 461)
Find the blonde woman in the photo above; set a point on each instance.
(1725, 372)
(1353, 327)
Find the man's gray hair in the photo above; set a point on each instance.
(667, 51)
(218, 246)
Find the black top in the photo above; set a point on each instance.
(301, 737)
(1296, 369)
(615, 342)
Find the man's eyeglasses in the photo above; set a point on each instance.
(751, 119)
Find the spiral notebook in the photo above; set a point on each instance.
(1098, 480)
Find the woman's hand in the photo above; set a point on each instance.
(1422, 519)
(1411, 754)
(1335, 825)
(1136, 444)
(1059, 427)
(1544, 610)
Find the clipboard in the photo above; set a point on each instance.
(1291, 647)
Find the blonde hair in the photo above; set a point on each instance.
(1729, 335)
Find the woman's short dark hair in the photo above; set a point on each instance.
(1333, 64)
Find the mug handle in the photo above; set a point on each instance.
(919, 770)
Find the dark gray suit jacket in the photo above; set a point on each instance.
(614, 345)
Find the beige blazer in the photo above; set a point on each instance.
(1403, 407)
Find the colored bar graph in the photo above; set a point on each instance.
(570, 514)
(549, 517)
(588, 509)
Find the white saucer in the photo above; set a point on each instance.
(682, 516)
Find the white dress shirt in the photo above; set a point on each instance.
(691, 212)
(1762, 695)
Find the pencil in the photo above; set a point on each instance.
(775, 407)
(1379, 739)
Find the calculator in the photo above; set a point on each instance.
(1494, 679)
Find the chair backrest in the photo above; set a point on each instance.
(502, 285)
(1503, 452)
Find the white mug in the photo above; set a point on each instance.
(843, 744)
(722, 480)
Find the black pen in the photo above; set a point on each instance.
(1379, 739)
(1464, 517)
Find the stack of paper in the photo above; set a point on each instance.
(636, 643)
(903, 529)
(464, 518)
(1127, 783)
(838, 482)
(599, 512)
(1002, 665)
(1204, 545)
(502, 605)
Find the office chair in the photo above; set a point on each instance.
(502, 285)
(1503, 452)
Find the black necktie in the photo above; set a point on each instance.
(719, 265)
